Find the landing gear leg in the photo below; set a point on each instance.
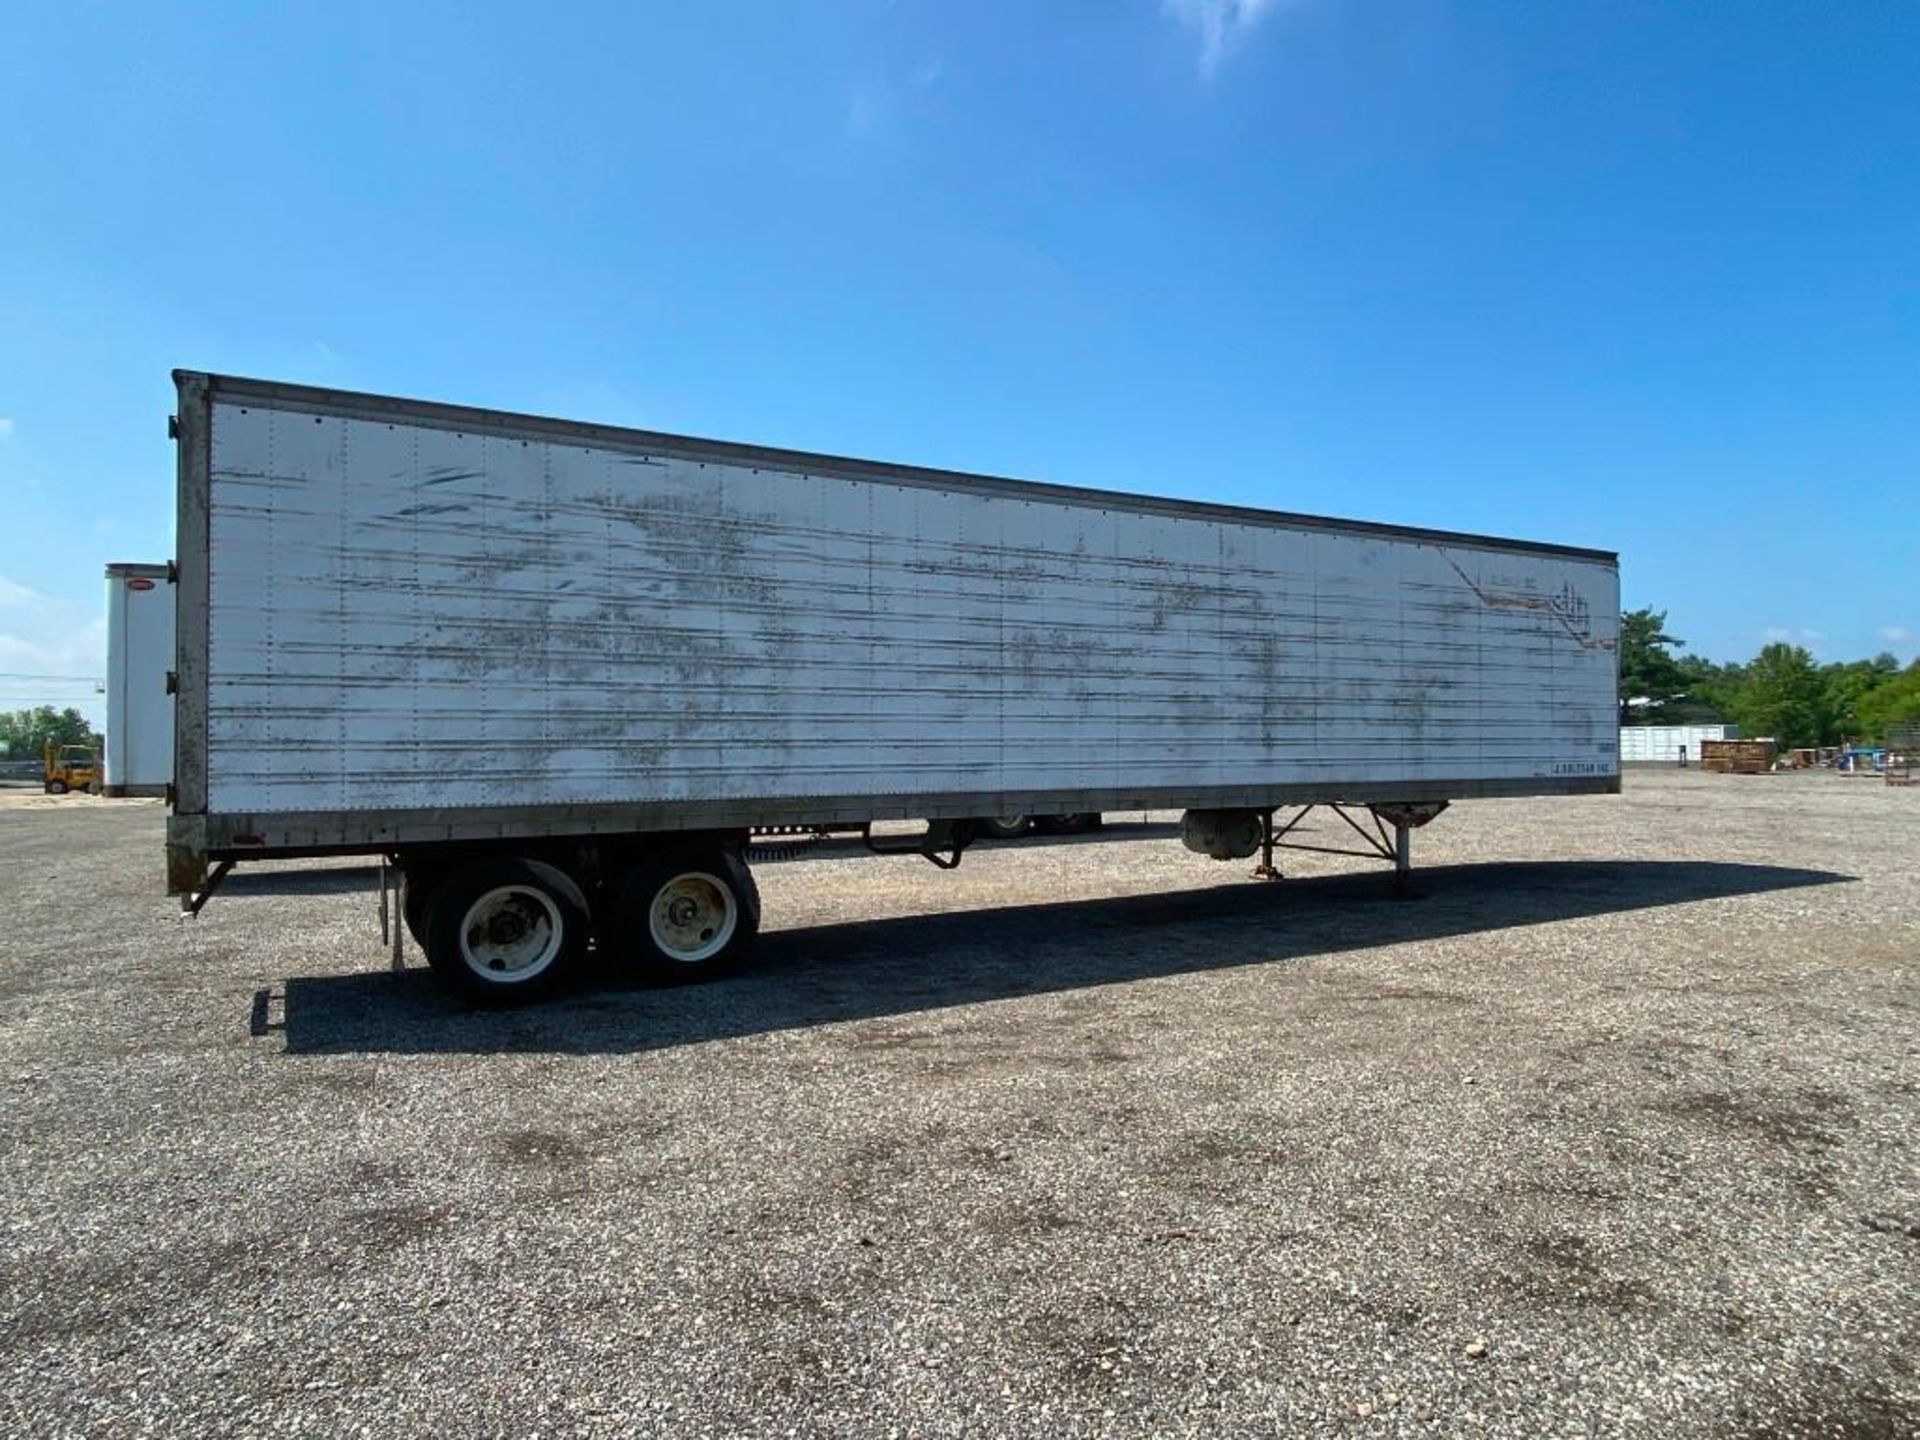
(1266, 869)
(1402, 858)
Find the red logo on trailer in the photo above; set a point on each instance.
(139, 582)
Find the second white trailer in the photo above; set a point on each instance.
(140, 648)
(1669, 744)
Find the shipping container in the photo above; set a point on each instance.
(140, 646)
(583, 664)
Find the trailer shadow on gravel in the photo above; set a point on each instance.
(869, 969)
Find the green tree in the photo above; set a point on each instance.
(1710, 689)
(23, 733)
(1784, 695)
(1895, 702)
(1651, 680)
(1848, 685)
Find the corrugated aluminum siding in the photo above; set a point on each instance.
(404, 615)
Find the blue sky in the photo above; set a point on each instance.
(1644, 277)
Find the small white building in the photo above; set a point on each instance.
(1669, 744)
(139, 655)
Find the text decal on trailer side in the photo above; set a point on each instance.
(424, 631)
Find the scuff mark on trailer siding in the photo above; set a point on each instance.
(1566, 606)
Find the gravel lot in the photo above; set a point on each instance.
(1612, 1131)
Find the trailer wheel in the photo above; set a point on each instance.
(420, 887)
(679, 918)
(1005, 827)
(504, 931)
(56, 787)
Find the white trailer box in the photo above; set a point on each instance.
(140, 647)
(407, 624)
(1669, 744)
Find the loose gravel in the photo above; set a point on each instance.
(1611, 1130)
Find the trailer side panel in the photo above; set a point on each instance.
(417, 617)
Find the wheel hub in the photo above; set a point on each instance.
(692, 917)
(512, 931)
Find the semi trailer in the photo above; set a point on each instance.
(140, 641)
(556, 675)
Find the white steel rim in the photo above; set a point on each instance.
(511, 934)
(692, 917)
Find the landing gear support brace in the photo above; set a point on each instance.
(1389, 837)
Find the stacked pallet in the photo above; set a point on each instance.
(1736, 757)
(1903, 754)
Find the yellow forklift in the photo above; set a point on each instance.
(71, 767)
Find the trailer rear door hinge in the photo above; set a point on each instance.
(173, 682)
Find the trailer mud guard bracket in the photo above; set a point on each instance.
(944, 842)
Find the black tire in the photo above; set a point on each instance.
(702, 929)
(56, 787)
(1004, 827)
(1067, 824)
(505, 932)
(420, 887)
(418, 890)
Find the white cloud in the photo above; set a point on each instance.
(53, 657)
(1222, 25)
(1895, 634)
(1793, 635)
(14, 595)
(6, 428)
(52, 652)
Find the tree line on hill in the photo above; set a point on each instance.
(1783, 692)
